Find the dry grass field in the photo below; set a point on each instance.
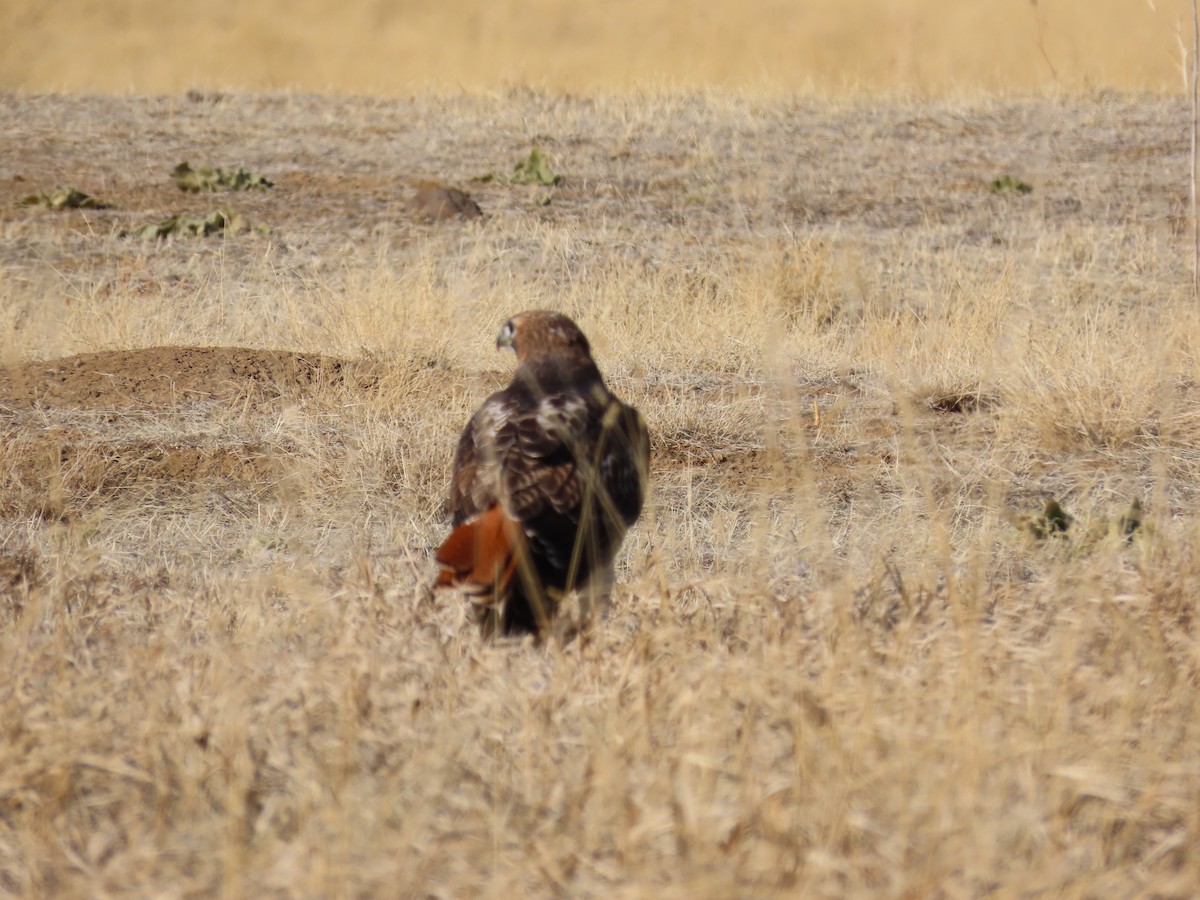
(389, 47)
(839, 662)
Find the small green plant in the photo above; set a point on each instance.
(62, 198)
(534, 169)
(1006, 185)
(1053, 521)
(209, 178)
(1131, 520)
(219, 221)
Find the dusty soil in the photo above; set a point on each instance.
(168, 376)
(347, 171)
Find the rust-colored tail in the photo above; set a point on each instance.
(481, 555)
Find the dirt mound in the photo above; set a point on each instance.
(161, 376)
(97, 451)
(435, 202)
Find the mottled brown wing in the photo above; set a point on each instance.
(521, 452)
(552, 439)
(624, 467)
(475, 485)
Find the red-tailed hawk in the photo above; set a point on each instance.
(549, 475)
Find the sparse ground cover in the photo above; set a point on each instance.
(839, 661)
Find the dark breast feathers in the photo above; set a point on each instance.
(548, 476)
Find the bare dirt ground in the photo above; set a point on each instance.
(166, 376)
(840, 663)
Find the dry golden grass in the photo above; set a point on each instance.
(366, 46)
(834, 666)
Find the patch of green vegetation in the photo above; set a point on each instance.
(1054, 521)
(219, 221)
(1128, 524)
(1006, 185)
(209, 178)
(535, 169)
(62, 198)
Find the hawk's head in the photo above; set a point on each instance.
(539, 334)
